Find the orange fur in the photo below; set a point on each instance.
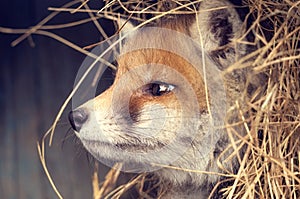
(154, 56)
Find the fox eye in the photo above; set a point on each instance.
(158, 89)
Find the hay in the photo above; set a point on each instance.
(270, 166)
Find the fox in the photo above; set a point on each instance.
(157, 115)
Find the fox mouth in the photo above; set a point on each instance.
(136, 146)
(139, 147)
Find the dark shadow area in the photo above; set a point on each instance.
(36, 76)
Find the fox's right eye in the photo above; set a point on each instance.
(158, 88)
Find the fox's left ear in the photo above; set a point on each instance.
(217, 26)
(125, 25)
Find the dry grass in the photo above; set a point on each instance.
(270, 167)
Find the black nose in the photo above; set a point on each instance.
(77, 118)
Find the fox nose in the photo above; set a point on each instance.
(77, 118)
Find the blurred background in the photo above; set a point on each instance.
(36, 76)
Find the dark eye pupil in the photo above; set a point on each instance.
(158, 89)
(155, 90)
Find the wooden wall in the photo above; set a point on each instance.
(34, 82)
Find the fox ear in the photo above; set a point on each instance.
(125, 25)
(125, 28)
(216, 27)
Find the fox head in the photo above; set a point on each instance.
(160, 107)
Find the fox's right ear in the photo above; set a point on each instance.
(217, 28)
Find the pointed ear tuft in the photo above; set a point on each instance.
(216, 26)
(125, 25)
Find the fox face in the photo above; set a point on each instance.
(168, 96)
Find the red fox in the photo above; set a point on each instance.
(158, 113)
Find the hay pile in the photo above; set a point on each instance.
(270, 167)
